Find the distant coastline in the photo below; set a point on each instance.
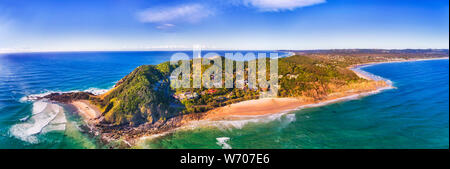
(398, 61)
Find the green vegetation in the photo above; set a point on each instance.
(140, 97)
(311, 77)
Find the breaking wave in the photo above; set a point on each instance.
(96, 91)
(45, 117)
(222, 141)
(370, 75)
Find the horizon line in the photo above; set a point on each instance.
(2, 51)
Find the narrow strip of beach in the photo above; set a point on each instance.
(270, 106)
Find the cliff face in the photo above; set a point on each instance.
(142, 96)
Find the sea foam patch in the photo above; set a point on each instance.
(370, 75)
(39, 106)
(239, 121)
(45, 117)
(222, 141)
(96, 91)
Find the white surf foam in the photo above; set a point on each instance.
(239, 121)
(45, 116)
(53, 127)
(38, 107)
(50, 118)
(290, 118)
(370, 75)
(97, 91)
(36, 97)
(24, 118)
(222, 141)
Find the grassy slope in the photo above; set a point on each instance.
(137, 98)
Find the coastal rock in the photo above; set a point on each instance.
(68, 97)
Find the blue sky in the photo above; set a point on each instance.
(222, 24)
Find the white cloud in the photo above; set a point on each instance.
(168, 15)
(279, 5)
(165, 26)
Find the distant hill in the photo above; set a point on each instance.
(397, 53)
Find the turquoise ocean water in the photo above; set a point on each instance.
(413, 115)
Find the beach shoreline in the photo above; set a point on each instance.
(90, 113)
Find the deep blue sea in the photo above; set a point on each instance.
(413, 115)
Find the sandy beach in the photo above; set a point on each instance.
(255, 107)
(268, 106)
(88, 112)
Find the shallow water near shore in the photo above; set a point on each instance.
(414, 115)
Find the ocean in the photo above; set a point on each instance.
(415, 114)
